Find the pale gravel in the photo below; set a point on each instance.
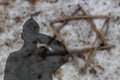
(49, 11)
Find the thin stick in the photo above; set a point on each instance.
(77, 17)
(92, 53)
(83, 51)
(90, 56)
(56, 33)
(80, 51)
(98, 36)
(66, 21)
(107, 24)
(93, 26)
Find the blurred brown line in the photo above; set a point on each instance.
(78, 51)
(76, 17)
(93, 26)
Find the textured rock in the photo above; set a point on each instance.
(13, 13)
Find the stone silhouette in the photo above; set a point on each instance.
(32, 62)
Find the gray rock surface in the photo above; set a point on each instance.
(77, 34)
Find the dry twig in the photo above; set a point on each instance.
(92, 53)
(93, 26)
(60, 27)
(81, 51)
(77, 17)
(98, 34)
(102, 42)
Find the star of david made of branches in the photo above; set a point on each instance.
(39, 63)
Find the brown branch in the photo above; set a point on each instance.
(63, 23)
(77, 17)
(107, 25)
(90, 56)
(93, 50)
(66, 21)
(98, 34)
(83, 51)
(60, 27)
(93, 26)
(79, 51)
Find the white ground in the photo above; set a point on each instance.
(14, 13)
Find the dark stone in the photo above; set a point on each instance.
(31, 60)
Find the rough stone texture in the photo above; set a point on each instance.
(13, 13)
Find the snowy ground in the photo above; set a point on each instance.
(13, 14)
